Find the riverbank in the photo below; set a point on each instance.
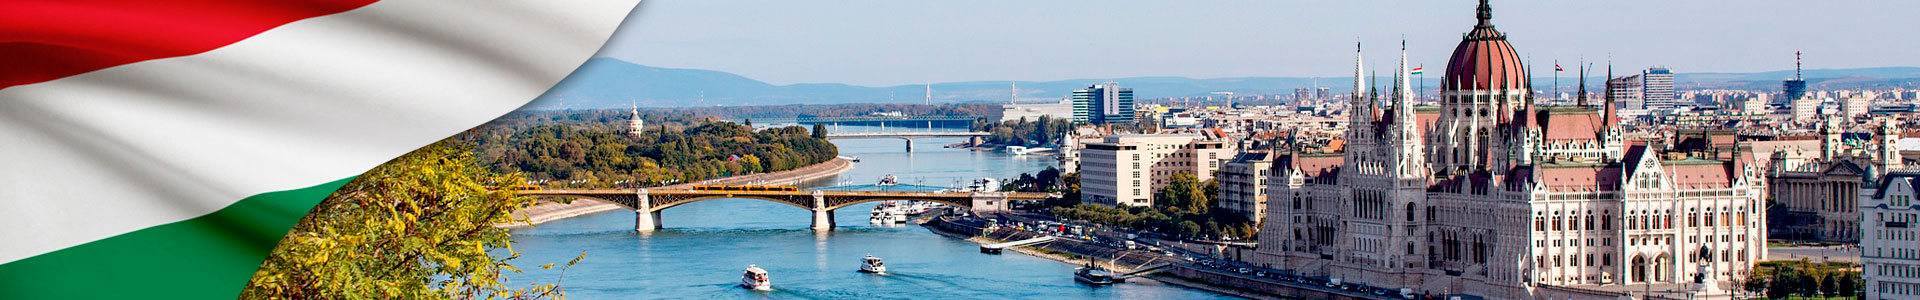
(549, 211)
(1078, 254)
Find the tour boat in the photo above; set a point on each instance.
(889, 180)
(872, 264)
(1093, 275)
(887, 216)
(918, 207)
(755, 279)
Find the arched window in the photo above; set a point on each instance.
(1410, 210)
(1590, 220)
(1606, 221)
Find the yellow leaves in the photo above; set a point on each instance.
(409, 229)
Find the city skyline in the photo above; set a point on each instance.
(909, 43)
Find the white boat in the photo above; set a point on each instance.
(881, 217)
(872, 264)
(888, 180)
(916, 207)
(1023, 151)
(887, 215)
(755, 279)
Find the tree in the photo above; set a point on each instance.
(1848, 284)
(1780, 285)
(1830, 285)
(419, 227)
(1182, 192)
(1189, 228)
(748, 122)
(819, 131)
(1753, 283)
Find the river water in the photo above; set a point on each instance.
(704, 245)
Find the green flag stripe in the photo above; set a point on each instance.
(207, 257)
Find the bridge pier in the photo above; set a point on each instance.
(644, 219)
(822, 217)
(909, 144)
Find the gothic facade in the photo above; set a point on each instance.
(1491, 195)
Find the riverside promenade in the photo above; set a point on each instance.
(549, 211)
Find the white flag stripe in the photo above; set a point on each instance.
(134, 146)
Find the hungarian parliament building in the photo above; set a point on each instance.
(1491, 194)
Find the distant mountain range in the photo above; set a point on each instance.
(611, 83)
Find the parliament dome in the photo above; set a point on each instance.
(1484, 61)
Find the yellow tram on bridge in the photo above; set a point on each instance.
(746, 188)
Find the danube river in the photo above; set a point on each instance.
(704, 246)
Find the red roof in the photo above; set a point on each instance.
(1484, 60)
(1318, 165)
(1580, 179)
(1573, 126)
(1699, 176)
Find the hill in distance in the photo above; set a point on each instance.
(612, 83)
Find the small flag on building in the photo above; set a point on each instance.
(1417, 71)
(1556, 67)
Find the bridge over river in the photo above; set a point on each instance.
(909, 135)
(649, 202)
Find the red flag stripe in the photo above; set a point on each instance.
(42, 40)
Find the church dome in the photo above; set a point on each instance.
(1484, 60)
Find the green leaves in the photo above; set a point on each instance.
(595, 156)
(418, 227)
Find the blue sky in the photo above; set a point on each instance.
(878, 43)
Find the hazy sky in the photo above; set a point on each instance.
(909, 42)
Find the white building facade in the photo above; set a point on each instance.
(1125, 170)
(1890, 254)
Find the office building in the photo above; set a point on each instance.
(1855, 106)
(1657, 88)
(1243, 184)
(1105, 103)
(1805, 109)
(1126, 170)
(1628, 91)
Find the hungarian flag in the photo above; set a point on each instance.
(159, 149)
(1417, 71)
(1556, 67)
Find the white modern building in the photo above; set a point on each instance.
(1125, 170)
